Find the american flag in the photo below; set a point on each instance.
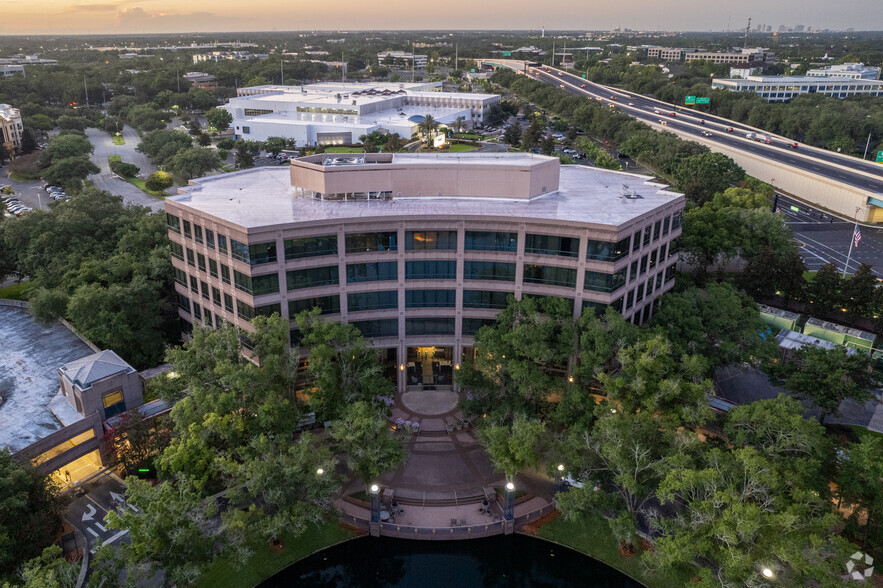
(857, 235)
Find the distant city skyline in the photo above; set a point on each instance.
(33, 17)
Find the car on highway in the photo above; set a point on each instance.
(657, 111)
(583, 86)
(730, 129)
(613, 97)
(792, 145)
(663, 122)
(561, 86)
(702, 122)
(631, 103)
(560, 74)
(612, 105)
(672, 114)
(706, 134)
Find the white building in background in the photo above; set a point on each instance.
(10, 70)
(403, 58)
(785, 88)
(745, 70)
(856, 71)
(338, 113)
(228, 56)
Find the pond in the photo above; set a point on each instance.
(501, 561)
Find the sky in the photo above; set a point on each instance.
(183, 16)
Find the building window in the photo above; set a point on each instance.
(429, 326)
(489, 270)
(643, 265)
(197, 311)
(210, 239)
(254, 254)
(225, 274)
(242, 282)
(652, 262)
(431, 269)
(265, 284)
(309, 278)
(187, 232)
(551, 245)
(607, 251)
(177, 250)
(222, 244)
(485, 299)
(430, 298)
(228, 302)
(665, 225)
(372, 300)
(378, 328)
(191, 257)
(244, 311)
(194, 285)
(491, 241)
(205, 290)
(656, 227)
(676, 220)
(472, 325)
(636, 241)
(212, 268)
(268, 309)
(113, 403)
(246, 130)
(430, 240)
(639, 296)
(197, 233)
(670, 273)
(181, 277)
(183, 303)
(600, 282)
(376, 271)
(549, 275)
(216, 296)
(208, 317)
(200, 261)
(629, 300)
(364, 242)
(674, 246)
(646, 241)
(310, 247)
(659, 280)
(173, 223)
(327, 304)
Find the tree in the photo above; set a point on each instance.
(30, 513)
(858, 292)
(458, 125)
(275, 145)
(702, 176)
(204, 140)
(163, 144)
(193, 162)
(134, 441)
(244, 158)
(532, 135)
(70, 170)
(218, 119)
(427, 127)
(49, 570)
(363, 436)
(28, 141)
(4, 154)
(548, 145)
(824, 290)
(827, 377)
(72, 122)
(158, 181)
(512, 135)
(859, 487)
(513, 448)
(64, 147)
(127, 170)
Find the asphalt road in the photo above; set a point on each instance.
(88, 511)
(106, 180)
(824, 239)
(688, 121)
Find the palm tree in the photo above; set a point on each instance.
(459, 124)
(427, 126)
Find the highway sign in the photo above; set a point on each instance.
(795, 209)
(584, 76)
(703, 101)
(880, 157)
(690, 100)
(507, 54)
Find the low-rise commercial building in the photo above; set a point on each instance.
(10, 70)
(201, 80)
(217, 56)
(856, 71)
(402, 58)
(338, 113)
(740, 56)
(10, 128)
(419, 251)
(668, 53)
(785, 88)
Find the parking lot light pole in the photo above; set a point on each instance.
(559, 479)
(509, 502)
(374, 495)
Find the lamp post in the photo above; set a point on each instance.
(374, 495)
(509, 502)
(559, 479)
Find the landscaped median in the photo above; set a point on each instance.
(135, 181)
(266, 561)
(592, 536)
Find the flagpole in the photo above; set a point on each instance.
(851, 243)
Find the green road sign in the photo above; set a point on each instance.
(507, 54)
(880, 157)
(703, 101)
(690, 100)
(584, 77)
(795, 209)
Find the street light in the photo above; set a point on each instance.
(374, 495)
(767, 573)
(509, 502)
(559, 479)
(320, 471)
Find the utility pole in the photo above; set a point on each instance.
(852, 241)
(868, 144)
(456, 56)
(178, 78)
(85, 87)
(282, 70)
(553, 53)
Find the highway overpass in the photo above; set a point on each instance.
(828, 180)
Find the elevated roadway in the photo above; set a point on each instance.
(827, 180)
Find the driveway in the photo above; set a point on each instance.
(88, 511)
(106, 180)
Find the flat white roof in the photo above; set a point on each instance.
(263, 197)
(388, 116)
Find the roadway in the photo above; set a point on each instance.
(850, 171)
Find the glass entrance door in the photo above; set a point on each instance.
(430, 368)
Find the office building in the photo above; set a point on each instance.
(668, 53)
(855, 71)
(785, 88)
(201, 80)
(217, 56)
(739, 56)
(10, 70)
(419, 250)
(336, 113)
(402, 59)
(10, 128)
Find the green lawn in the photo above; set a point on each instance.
(344, 150)
(459, 148)
(265, 561)
(15, 291)
(592, 536)
(467, 136)
(142, 185)
(118, 140)
(113, 158)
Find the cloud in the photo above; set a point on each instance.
(92, 8)
(136, 18)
